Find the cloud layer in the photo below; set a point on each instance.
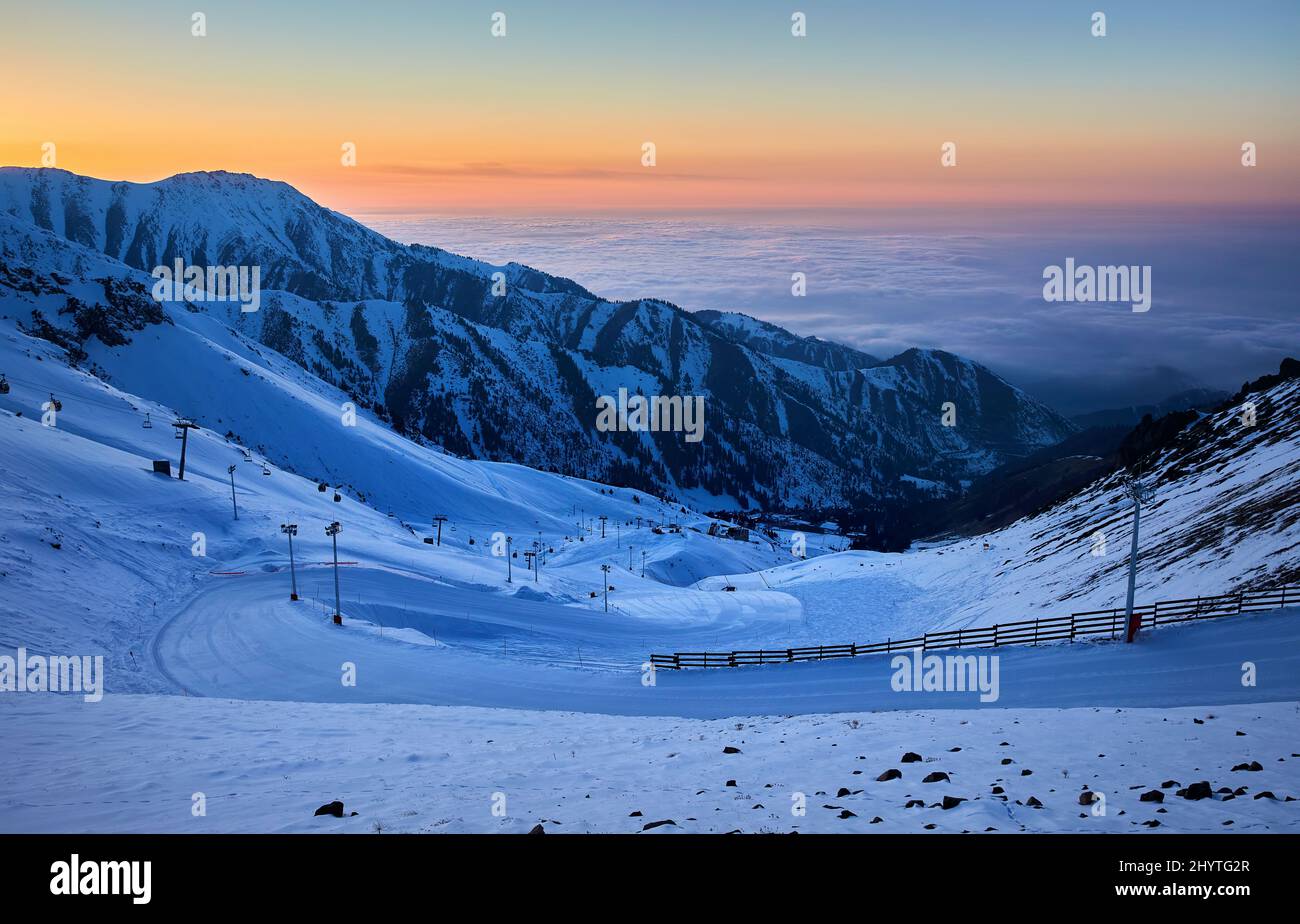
(1223, 305)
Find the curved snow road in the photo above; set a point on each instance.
(241, 639)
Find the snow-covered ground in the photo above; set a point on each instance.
(226, 643)
(136, 763)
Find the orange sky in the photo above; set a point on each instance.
(554, 115)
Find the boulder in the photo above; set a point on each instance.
(658, 824)
(334, 808)
(1197, 791)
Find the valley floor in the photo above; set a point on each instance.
(239, 639)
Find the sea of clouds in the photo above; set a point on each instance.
(970, 281)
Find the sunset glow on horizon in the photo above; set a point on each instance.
(553, 115)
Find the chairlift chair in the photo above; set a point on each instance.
(265, 470)
(148, 424)
(4, 385)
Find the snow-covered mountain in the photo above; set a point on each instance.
(417, 335)
(1224, 516)
(189, 607)
(98, 555)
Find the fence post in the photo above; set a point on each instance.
(1071, 627)
(1239, 597)
(925, 641)
(959, 638)
(1155, 614)
(995, 635)
(1035, 632)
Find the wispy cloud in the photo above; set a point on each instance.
(494, 169)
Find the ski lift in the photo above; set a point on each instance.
(4, 385)
(265, 470)
(148, 424)
(55, 402)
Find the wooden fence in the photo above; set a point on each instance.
(1027, 632)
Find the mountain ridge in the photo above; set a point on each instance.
(417, 334)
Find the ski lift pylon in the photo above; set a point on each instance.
(148, 424)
